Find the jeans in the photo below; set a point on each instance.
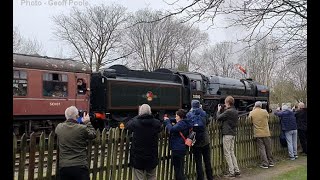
(204, 152)
(291, 137)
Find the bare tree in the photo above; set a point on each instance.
(95, 33)
(219, 59)
(261, 60)
(152, 43)
(25, 46)
(190, 40)
(286, 19)
(282, 92)
(298, 76)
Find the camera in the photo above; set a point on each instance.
(222, 109)
(81, 112)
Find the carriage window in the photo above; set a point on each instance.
(20, 83)
(82, 86)
(55, 85)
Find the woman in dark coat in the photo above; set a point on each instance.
(176, 141)
(144, 147)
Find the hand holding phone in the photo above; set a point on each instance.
(85, 118)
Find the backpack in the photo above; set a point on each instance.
(198, 127)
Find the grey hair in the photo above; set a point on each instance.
(285, 107)
(144, 109)
(301, 105)
(71, 113)
(258, 104)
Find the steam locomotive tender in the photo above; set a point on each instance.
(117, 92)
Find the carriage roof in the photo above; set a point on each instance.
(49, 63)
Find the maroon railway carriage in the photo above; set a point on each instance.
(43, 88)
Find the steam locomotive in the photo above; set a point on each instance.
(116, 93)
(43, 87)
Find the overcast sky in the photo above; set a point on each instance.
(33, 18)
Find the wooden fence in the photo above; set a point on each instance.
(36, 158)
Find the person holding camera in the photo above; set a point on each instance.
(178, 127)
(229, 120)
(72, 142)
(144, 147)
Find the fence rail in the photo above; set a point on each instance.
(108, 154)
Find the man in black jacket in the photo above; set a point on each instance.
(301, 117)
(144, 147)
(229, 120)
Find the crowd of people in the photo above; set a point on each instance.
(74, 132)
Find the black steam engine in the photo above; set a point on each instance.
(117, 92)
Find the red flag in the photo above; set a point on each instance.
(241, 68)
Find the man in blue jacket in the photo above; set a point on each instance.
(289, 126)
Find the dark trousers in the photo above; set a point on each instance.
(303, 140)
(204, 152)
(74, 173)
(178, 164)
(264, 147)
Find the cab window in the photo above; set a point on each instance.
(55, 85)
(195, 85)
(20, 83)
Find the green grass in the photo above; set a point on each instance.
(299, 173)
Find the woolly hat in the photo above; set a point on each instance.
(195, 104)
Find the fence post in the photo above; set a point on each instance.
(50, 155)
(109, 149)
(23, 151)
(32, 151)
(14, 152)
(41, 155)
(102, 155)
(95, 155)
